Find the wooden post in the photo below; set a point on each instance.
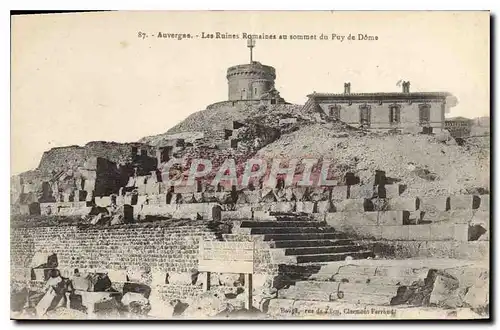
(206, 284)
(248, 291)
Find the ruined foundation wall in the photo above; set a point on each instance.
(162, 247)
(73, 156)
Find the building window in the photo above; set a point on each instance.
(424, 114)
(334, 112)
(255, 92)
(364, 115)
(394, 114)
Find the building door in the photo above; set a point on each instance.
(243, 94)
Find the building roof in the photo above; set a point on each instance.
(377, 96)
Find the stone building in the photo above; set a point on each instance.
(420, 111)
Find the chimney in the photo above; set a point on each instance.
(406, 86)
(347, 88)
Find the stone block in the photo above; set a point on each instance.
(339, 192)
(361, 191)
(236, 215)
(305, 207)
(350, 205)
(370, 218)
(179, 278)
(263, 216)
(66, 196)
(443, 231)
(403, 204)
(419, 232)
(74, 211)
(187, 198)
(324, 206)
(158, 277)
(395, 233)
(141, 200)
(158, 210)
(435, 203)
(182, 189)
(117, 275)
(153, 188)
(390, 191)
(484, 203)
(89, 185)
(481, 218)
(458, 216)
(249, 197)
(335, 220)
(464, 202)
(445, 291)
(103, 201)
(461, 232)
(141, 190)
(282, 207)
(90, 196)
(127, 199)
(390, 218)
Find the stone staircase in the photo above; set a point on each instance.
(299, 238)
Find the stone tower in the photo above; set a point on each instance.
(250, 81)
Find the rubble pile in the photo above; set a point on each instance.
(424, 164)
(223, 116)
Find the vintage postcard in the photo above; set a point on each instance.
(253, 165)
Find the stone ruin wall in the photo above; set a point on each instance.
(57, 159)
(121, 250)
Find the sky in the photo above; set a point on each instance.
(84, 77)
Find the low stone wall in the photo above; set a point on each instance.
(124, 250)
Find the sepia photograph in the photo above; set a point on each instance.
(252, 165)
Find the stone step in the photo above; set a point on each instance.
(252, 224)
(334, 256)
(312, 243)
(364, 288)
(287, 214)
(290, 230)
(293, 218)
(303, 236)
(376, 280)
(323, 249)
(339, 293)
